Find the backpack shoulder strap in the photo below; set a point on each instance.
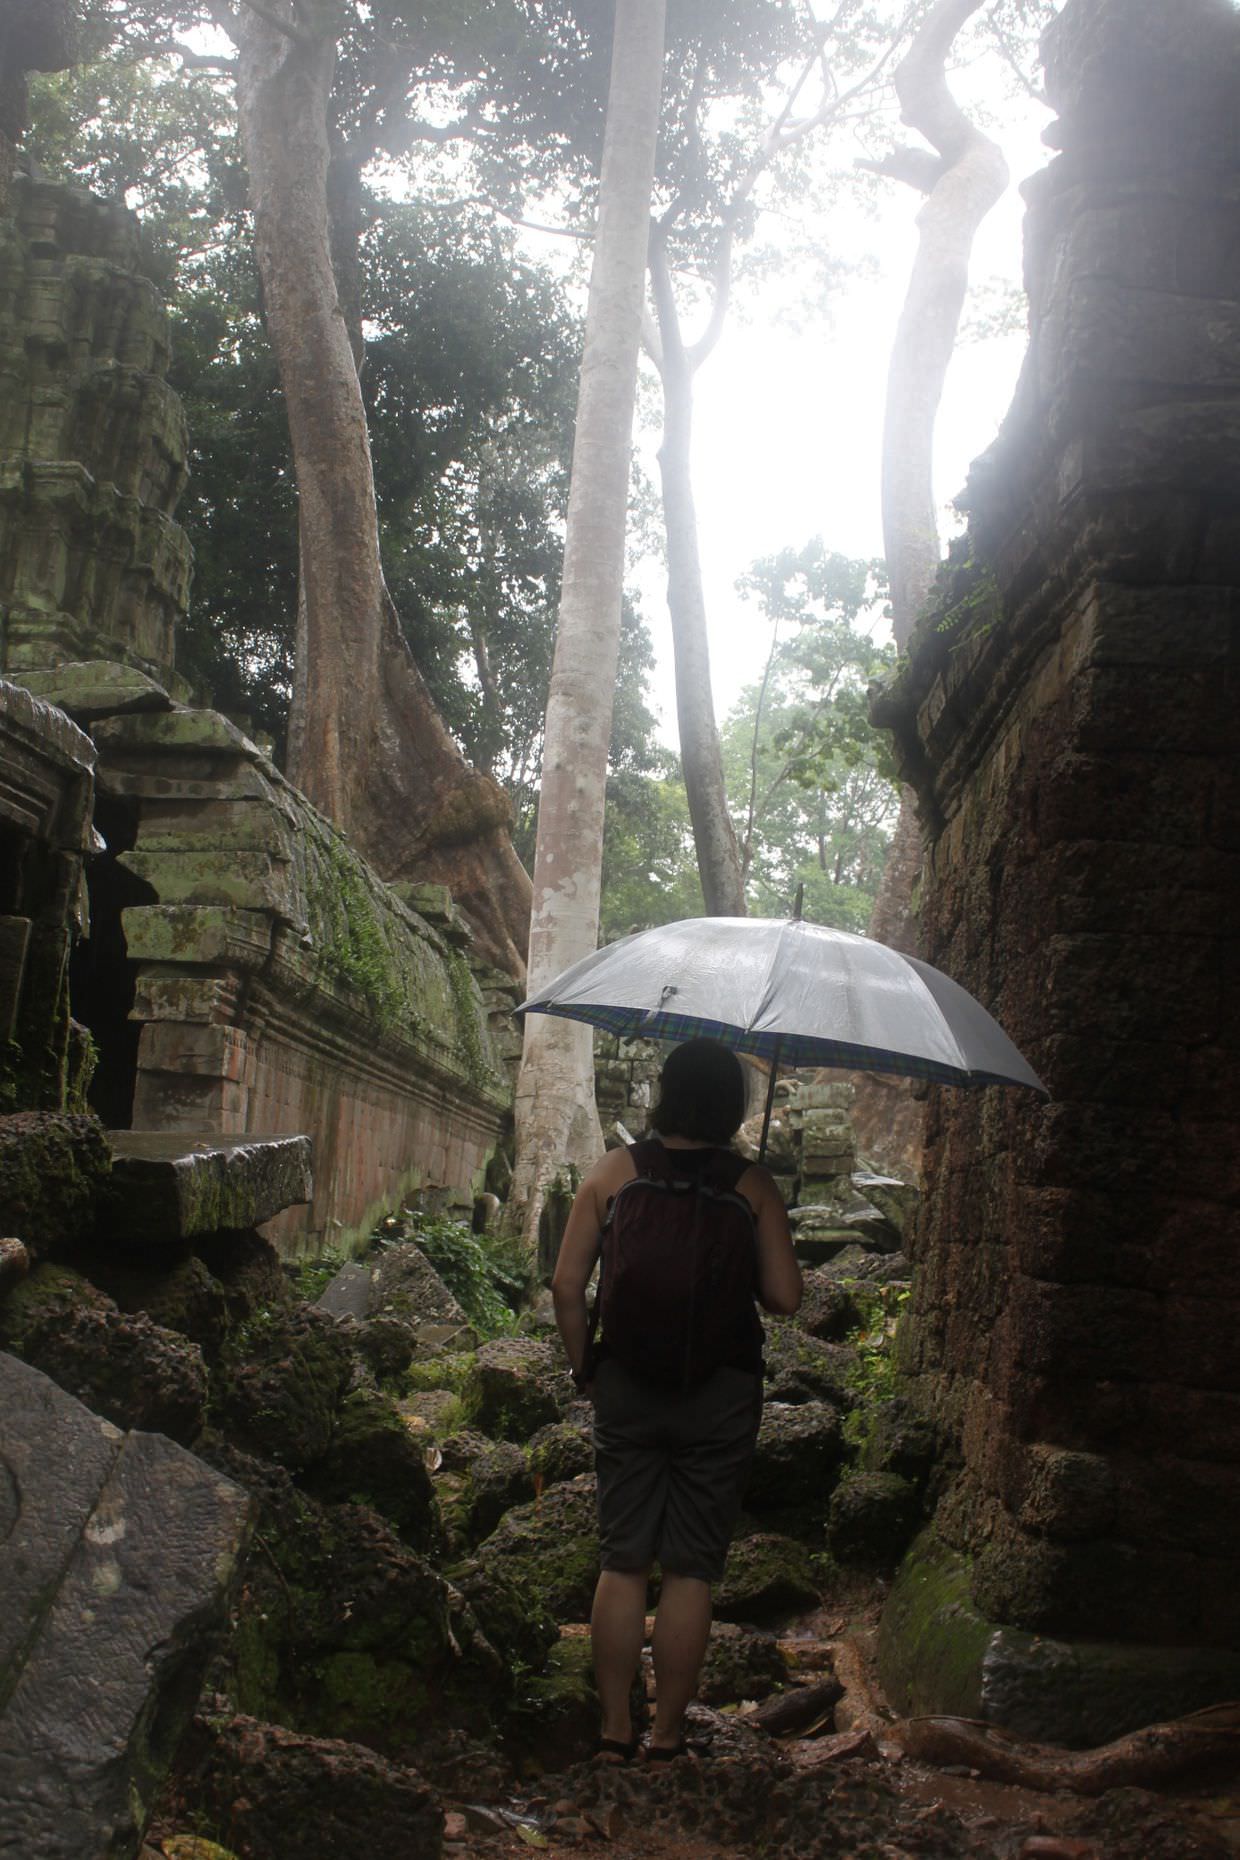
(651, 1160)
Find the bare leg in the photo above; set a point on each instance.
(617, 1629)
(681, 1630)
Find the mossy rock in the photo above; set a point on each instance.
(498, 1480)
(741, 1663)
(450, 1371)
(53, 1166)
(279, 1383)
(386, 1345)
(549, 1549)
(767, 1576)
(374, 1460)
(184, 1297)
(250, 1271)
(802, 1368)
(516, 1622)
(347, 1631)
(828, 1309)
(555, 1713)
(122, 1365)
(897, 1439)
(561, 1451)
(515, 1386)
(872, 1518)
(799, 1452)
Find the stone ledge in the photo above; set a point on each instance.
(167, 1186)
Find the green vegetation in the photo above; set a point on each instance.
(487, 1275)
(873, 1381)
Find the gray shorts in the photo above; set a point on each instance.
(672, 1467)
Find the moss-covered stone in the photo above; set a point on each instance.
(560, 1451)
(450, 1371)
(741, 1663)
(800, 1449)
(123, 1366)
(53, 1167)
(828, 1309)
(279, 1383)
(374, 1460)
(766, 1576)
(498, 1480)
(555, 1712)
(346, 1630)
(871, 1518)
(515, 1386)
(800, 1367)
(515, 1619)
(548, 1550)
(185, 1297)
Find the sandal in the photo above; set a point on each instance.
(666, 1753)
(615, 1749)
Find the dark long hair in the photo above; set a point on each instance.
(702, 1093)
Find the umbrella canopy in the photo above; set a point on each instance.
(795, 993)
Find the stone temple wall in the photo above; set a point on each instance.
(1069, 717)
(246, 973)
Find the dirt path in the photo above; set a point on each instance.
(844, 1792)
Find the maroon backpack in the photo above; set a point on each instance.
(679, 1271)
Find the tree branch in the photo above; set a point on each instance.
(281, 25)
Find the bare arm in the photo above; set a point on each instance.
(579, 1250)
(779, 1274)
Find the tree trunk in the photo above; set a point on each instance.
(368, 746)
(556, 1119)
(714, 836)
(971, 179)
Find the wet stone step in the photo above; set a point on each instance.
(169, 1186)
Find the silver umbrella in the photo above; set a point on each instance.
(793, 993)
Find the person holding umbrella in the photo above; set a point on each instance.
(690, 1236)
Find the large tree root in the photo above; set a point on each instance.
(1151, 1758)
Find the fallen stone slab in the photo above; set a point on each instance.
(116, 1555)
(348, 1293)
(168, 1186)
(91, 688)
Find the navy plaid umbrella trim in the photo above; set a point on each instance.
(790, 1049)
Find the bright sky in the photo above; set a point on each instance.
(789, 423)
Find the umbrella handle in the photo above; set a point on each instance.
(770, 1097)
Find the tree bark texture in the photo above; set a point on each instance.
(367, 745)
(556, 1119)
(714, 836)
(972, 177)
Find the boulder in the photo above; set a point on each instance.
(185, 1297)
(249, 1269)
(561, 1451)
(498, 1480)
(548, 1550)
(122, 1365)
(515, 1386)
(53, 1167)
(375, 1460)
(347, 1631)
(386, 1345)
(828, 1310)
(801, 1368)
(515, 1620)
(859, 1262)
(406, 1286)
(741, 1663)
(767, 1576)
(800, 1449)
(872, 1518)
(279, 1382)
(900, 1440)
(279, 1792)
(118, 1552)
